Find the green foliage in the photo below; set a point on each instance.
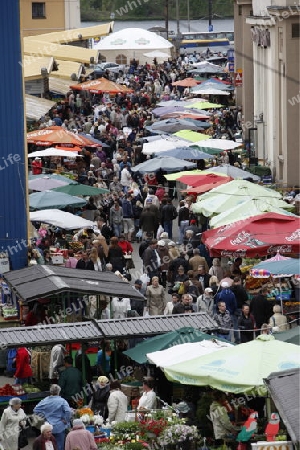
(145, 10)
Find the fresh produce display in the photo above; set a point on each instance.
(8, 391)
(29, 388)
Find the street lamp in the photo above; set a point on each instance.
(210, 15)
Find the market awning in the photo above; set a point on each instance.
(37, 107)
(67, 68)
(61, 37)
(32, 66)
(41, 281)
(285, 391)
(153, 325)
(32, 48)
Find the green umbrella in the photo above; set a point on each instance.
(291, 336)
(163, 341)
(191, 136)
(51, 199)
(238, 369)
(81, 189)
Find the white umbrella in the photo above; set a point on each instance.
(185, 352)
(45, 183)
(161, 145)
(218, 144)
(53, 152)
(210, 91)
(60, 219)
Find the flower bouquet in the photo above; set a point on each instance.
(153, 427)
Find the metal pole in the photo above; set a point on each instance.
(188, 15)
(167, 17)
(210, 15)
(177, 16)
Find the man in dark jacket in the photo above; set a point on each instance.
(175, 264)
(223, 319)
(168, 214)
(70, 381)
(151, 260)
(148, 221)
(260, 308)
(183, 219)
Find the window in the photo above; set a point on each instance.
(240, 10)
(295, 30)
(121, 59)
(38, 11)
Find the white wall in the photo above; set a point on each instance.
(72, 14)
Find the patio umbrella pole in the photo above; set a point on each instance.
(83, 369)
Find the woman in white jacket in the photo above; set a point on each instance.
(117, 403)
(12, 418)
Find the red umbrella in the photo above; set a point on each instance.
(256, 236)
(201, 179)
(206, 187)
(58, 135)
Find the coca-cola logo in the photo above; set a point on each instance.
(279, 248)
(241, 237)
(235, 254)
(294, 236)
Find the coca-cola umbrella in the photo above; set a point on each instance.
(101, 85)
(256, 236)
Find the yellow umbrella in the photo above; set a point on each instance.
(175, 176)
(191, 136)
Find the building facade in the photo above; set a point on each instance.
(48, 16)
(275, 40)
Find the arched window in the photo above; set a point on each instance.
(121, 59)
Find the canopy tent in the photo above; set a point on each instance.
(231, 171)
(284, 388)
(259, 235)
(61, 219)
(249, 208)
(132, 43)
(37, 107)
(51, 199)
(191, 136)
(204, 105)
(167, 164)
(101, 85)
(238, 369)
(164, 341)
(42, 281)
(211, 91)
(185, 153)
(184, 352)
(58, 135)
(158, 55)
(53, 151)
(81, 189)
(45, 183)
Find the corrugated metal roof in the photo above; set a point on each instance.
(59, 85)
(49, 334)
(61, 37)
(37, 107)
(66, 69)
(153, 325)
(33, 48)
(44, 281)
(285, 391)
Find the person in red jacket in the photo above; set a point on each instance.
(23, 370)
(37, 167)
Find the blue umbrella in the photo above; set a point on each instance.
(186, 153)
(283, 268)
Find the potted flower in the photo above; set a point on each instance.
(153, 427)
(179, 434)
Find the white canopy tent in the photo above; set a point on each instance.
(53, 152)
(132, 43)
(60, 219)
